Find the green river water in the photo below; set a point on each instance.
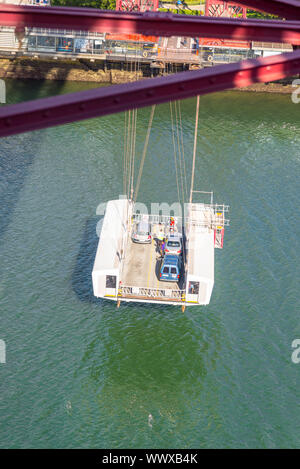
(81, 373)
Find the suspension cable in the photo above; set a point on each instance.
(179, 147)
(133, 154)
(128, 152)
(144, 153)
(125, 153)
(183, 157)
(195, 148)
(175, 152)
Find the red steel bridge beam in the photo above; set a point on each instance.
(221, 8)
(152, 24)
(48, 112)
(137, 5)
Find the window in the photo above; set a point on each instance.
(111, 281)
(32, 43)
(174, 244)
(46, 42)
(166, 270)
(98, 46)
(65, 44)
(83, 45)
(193, 288)
(148, 46)
(173, 270)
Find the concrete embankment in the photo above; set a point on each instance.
(100, 72)
(40, 69)
(283, 87)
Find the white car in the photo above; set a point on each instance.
(174, 244)
(142, 232)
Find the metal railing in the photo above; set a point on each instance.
(272, 45)
(216, 218)
(162, 222)
(155, 218)
(180, 55)
(63, 32)
(164, 294)
(201, 55)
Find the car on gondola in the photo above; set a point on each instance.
(171, 268)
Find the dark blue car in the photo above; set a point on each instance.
(170, 268)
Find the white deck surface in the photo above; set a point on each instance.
(142, 267)
(109, 251)
(112, 233)
(201, 252)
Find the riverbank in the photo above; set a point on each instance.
(66, 70)
(281, 88)
(101, 72)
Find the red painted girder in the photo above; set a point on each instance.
(48, 112)
(157, 24)
(222, 7)
(289, 9)
(137, 5)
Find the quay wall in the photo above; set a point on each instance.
(102, 72)
(64, 70)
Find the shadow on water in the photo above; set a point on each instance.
(16, 156)
(26, 89)
(17, 153)
(82, 274)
